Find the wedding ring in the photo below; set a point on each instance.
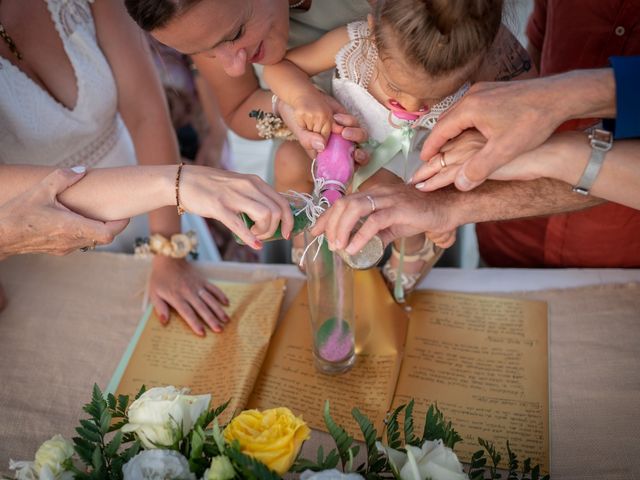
(89, 247)
(442, 160)
(372, 202)
(201, 292)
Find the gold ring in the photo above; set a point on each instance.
(372, 202)
(442, 161)
(93, 245)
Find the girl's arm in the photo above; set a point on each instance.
(289, 79)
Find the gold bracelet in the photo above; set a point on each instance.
(178, 246)
(181, 210)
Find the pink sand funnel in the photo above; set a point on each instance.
(334, 167)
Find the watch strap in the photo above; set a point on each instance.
(601, 142)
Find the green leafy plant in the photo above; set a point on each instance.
(97, 445)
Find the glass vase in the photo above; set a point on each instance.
(330, 289)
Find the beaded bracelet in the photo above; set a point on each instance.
(271, 126)
(179, 246)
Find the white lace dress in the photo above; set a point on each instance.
(355, 64)
(36, 129)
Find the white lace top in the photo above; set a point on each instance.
(36, 129)
(355, 64)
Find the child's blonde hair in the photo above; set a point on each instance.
(439, 36)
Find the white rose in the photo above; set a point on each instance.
(157, 465)
(433, 461)
(49, 461)
(220, 469)
(329, 475)
(159, 414)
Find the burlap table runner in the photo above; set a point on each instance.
(70, 319)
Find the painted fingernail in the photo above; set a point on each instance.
(420, 185)
(257, 244)
(317, 145)
(79, 169)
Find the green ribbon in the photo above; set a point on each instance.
(398, 141)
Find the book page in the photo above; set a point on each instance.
(225, 365)
(289, 378)
(484, 361)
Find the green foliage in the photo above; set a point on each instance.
(409, 437)
(344, 442)
(478, 469)
(248, 467)
(376, 462)
(100, 439)
(393, 429)
(437, 428)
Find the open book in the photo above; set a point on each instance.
(483, 360)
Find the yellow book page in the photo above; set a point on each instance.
(225, 365)
(289, 378)
(484, 361)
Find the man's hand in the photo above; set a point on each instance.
(514, 117)
(36, 222)
(400, 211)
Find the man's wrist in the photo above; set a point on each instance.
(588, 93)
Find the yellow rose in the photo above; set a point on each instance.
(274, 436)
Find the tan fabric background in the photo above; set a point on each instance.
(70, 319)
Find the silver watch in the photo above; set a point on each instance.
(601, 142)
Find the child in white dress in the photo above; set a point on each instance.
(396, 73)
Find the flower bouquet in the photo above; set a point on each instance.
(167, 434)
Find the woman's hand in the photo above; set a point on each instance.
(223, 195)
(443, 169)
(176, 284)
(400, 211)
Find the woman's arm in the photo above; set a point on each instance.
(237, 96)
(564, 157)
(116, 193)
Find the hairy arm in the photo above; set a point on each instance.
(518, 199)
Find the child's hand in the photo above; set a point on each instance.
(313, 113)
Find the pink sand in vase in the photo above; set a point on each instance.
(334, 340)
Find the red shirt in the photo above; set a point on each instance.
(573, 34)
